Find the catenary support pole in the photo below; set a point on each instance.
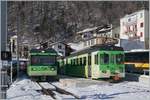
(3, 44)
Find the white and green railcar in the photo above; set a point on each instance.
(103, 61)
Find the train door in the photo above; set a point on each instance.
(89, 65)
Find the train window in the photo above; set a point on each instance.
(77, 61)
(74, 61)
(45, 60)
(62, 63)
(71, 61)
(80, 61)
(104, 58)
(89, 60)
(66, 61)
(119, 58)
(112, 59)
(84, 60)
(96, 59)
(137, 57)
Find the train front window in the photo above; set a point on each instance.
(43, 60)
(104, 58)
(113, 59)
(119, 58)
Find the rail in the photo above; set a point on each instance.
(53, 91)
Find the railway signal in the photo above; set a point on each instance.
(6, 55)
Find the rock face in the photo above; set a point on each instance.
(39, 21)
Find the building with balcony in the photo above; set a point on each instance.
(134, 30)
(104, 34)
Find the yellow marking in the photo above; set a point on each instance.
(139, 65)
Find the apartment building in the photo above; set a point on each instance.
(134, 30)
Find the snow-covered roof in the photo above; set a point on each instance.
(138, 50)
(76, 46)
(134, 13)
(87, 30)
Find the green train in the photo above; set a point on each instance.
(104, 61)
(42, 63)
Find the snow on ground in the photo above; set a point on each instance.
(120, 91)
(26, 90)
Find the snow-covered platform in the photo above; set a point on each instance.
(145, 79)
(85, 89)
(119, 91)
(25, 90)
(80, 82)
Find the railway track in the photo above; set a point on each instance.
(55, 92)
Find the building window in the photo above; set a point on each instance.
(59, 46)
(92, 42)
(129, 19)
(89, 43)
(135, 34)
(128, 29)
(116, 35)
(141, 25)
(85, 44)
(141, 34)
(135, 27)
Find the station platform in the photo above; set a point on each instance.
(80, 82)
(144, 79)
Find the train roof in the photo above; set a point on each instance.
(95, 48)
(137, 51)
(49, 50)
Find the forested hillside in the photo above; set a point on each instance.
(58, 20)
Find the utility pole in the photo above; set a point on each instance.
(3, 45)
(17, 48)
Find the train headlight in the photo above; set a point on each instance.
(43, 51)
(52, 68)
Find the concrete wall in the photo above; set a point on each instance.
(130, 44)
